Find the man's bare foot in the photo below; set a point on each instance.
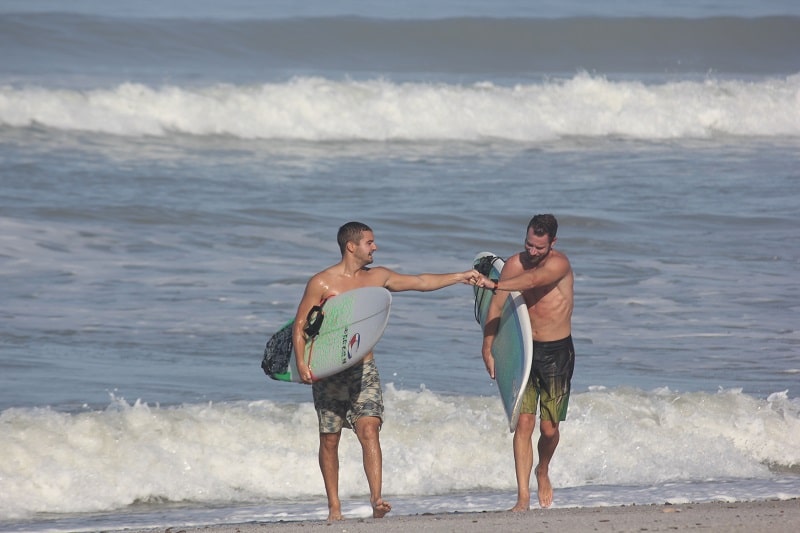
(334, 515)
(380, 508)
(521, 507)
(523, 502)
(545, 488)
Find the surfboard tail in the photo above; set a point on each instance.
(286, 376)
(278, 353)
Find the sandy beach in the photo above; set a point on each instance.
(773, 516)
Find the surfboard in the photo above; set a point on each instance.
(352, 323)
(513, 345)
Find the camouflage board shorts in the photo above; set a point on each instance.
(343, 398)
(551, 376)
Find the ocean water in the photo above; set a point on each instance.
(171, 173)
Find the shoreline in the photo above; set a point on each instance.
(775, 516)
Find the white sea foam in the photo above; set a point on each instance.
(434, 445)
(319, 109)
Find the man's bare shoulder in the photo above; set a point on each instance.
(375, 276)
(513, 264)
(557, 266)
(325, 281)
(324, 275)
(560, 258)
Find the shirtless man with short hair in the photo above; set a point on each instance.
(353, 398)
(544, 276)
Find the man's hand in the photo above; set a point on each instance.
(305, 373)
(488, 360)
(485, 283)
(470, 277)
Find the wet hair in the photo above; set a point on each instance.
(544, 225)
(350, 232)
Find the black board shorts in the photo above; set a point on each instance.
(551, 379)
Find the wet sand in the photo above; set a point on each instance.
(774, 516)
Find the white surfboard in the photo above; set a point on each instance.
(352, 324)
(513, 345)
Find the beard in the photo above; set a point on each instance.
(531, 261)
(366, 259)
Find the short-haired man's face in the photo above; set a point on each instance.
(365, 247)
(536, 248)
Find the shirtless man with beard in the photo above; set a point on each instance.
(544, 277)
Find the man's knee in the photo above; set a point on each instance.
(526, 424)
(329, 441)
(368, 427)
(548, 429)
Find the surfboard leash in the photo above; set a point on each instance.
(314, 320)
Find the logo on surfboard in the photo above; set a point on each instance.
(353, 345)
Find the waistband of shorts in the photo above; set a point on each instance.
(553, 344)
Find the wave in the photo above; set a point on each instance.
(243, 452)
(318, 109)
(53, 43)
